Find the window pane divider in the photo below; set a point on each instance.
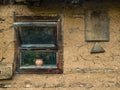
(47, 50)
(35, 23)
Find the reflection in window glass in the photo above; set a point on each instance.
(28, 58)
(38, 35)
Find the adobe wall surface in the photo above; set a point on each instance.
(82, 70)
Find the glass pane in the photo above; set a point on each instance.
(38, 35)
(30, 58)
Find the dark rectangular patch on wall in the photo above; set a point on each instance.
(96, 25)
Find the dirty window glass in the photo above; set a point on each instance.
(28, 58)
(37, 35)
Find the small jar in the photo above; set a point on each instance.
(39, 62)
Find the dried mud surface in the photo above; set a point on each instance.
(82, 70)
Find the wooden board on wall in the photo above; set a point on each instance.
(96, 25)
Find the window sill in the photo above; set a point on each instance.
(38, 67)
(37, 45)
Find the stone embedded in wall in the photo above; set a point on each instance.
(97, 48)
(5, 85)
(27, 84)
(6, 70)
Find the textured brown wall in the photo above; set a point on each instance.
(82, 70)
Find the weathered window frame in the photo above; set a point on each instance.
(39, 21)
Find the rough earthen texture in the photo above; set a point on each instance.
(82, 70)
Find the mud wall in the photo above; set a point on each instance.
(82, 70)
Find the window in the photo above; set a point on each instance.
(39, 44)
